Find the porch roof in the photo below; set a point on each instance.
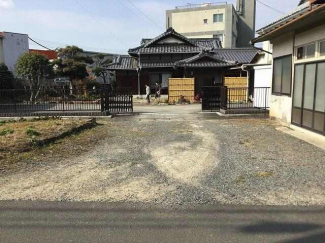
(304, 17)
(205, 59)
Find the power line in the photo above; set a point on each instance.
(124, 5)
(270, 7)
(66, 44)
(144, 14)
(90, 15)
(40, 44)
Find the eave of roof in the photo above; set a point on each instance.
(291, 24)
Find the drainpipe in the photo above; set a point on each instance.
(139, 78)
(248, 78)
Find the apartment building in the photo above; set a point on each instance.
(235, 27)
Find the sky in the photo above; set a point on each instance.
(111, 26)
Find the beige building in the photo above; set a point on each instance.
(234, 27)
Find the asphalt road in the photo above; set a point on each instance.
(42, 222)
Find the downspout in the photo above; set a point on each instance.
(139, 78)
(248, 78)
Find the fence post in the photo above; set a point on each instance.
(15, 102)
(224, 97)
(265, 97)
(63, 93)
(102, 104)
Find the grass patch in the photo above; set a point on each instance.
(2, 123)
(264, 174)
(72, 145)
(32, 132)
(5, 132)
(240, 179)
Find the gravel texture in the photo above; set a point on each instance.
(179, 160)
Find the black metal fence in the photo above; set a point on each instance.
(63, 102)
(257, 99)
(211, 98)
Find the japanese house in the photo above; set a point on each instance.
(298, 87)
(172, 55)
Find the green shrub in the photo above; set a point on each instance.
(2, 123)
(4, 132)
(32, 132)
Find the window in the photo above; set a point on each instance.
(219, 36)
(309, 96)
(218, 18)
(300, 53)
(322, 48)
(307, 51)
(205, 21)
(282, 73)
(311, 50)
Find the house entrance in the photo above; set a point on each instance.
(309, 97)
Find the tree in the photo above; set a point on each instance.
(6, 78)
(100, 70)
(72, 64)
(34, 68)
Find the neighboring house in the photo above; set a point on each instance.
(108, 58)
(12, 46)
(298, 88)
(51, 55)
(62, 82)
(234, 27)
(172, 55)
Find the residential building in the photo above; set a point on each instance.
(51, 55)
(234, 27)
(298, 87)
(172, 55)
(108, 58)
(12, 46)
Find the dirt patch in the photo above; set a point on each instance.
(44, 138)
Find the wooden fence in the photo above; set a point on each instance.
(237, 95)
(181, 87)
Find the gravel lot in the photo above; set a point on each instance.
(179, 159)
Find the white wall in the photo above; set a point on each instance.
(281, 106)
(263, 78)
(14, 45)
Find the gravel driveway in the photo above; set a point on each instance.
(182, 158)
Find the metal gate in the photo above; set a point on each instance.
(117, 103)
(211, 98)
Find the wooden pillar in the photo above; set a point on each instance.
(139, 82)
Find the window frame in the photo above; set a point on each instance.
(305, 48)
(205, 21)
(319, 48)
(220, 14)
(273, 76)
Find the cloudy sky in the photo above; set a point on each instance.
(103, 25)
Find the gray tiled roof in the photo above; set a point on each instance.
(123, 63)
(167, 49)
(150, 46)
(157, 64)
(301, 9)
(205, 59)
(239, 55)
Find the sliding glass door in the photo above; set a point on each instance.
(309, 96)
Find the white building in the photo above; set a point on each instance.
(12, 46)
